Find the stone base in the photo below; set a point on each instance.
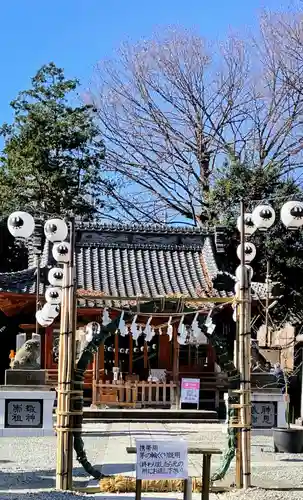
(26, 411)
(25, 377)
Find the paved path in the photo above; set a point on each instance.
(29, 463)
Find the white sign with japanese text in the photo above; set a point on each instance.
(162, 459)
(190, 390)
(20, 413)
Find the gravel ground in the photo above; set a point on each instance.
(27, 465)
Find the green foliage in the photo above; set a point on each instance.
(51, 161)
(283, 248)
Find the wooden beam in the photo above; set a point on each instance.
(130, 363)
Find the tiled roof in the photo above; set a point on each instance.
(128, 260)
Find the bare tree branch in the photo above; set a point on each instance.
(172, 108)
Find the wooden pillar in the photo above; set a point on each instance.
(175, 355)
(176, 366)
(130, 359)
(117, 350)
(145, 356)
(102, 363)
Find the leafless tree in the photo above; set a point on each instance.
(282, 36)
(170, 109)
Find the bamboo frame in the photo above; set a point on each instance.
(244, 361)
(66, 365)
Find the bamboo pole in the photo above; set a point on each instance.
(248, 379)
(72, 326)
(62, 464)
(66, 374)
(239, 470)
(244, 359)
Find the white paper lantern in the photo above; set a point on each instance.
(55, 230)
(237, 288)
(45, 322)
(53, 295)
(292, 214)
(55, 276)
(249, 270)
(21, 224)
(50, 311)
(61, 252)
(249, 252)
(249, 226)
(92, 329)
(263, 217)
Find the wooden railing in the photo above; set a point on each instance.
(52, 378)
(134, 394)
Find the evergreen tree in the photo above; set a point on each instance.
(51, 161)
(281, 247)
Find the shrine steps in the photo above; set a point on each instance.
(149, 415)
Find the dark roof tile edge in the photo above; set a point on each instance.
(140, 246)
(142, 228)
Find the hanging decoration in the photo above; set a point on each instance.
(182, 332)
(250, 272)
(42, 320)
(292, 214)
(50, 311)
(169, 330)
(62, 252)
(197, 333)
(122, 326)
(263, 217)
(55, 276)
(249, 225)
(105, 317)
(136, 330)
(148, 331)
(92, 329)
(249, 252)
(210, 325)
(55, 230)
(53, 295)
(21, 224)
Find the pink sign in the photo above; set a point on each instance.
(190, 390)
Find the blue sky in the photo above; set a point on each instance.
(76, 34)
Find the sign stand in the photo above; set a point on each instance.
(190, 391)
